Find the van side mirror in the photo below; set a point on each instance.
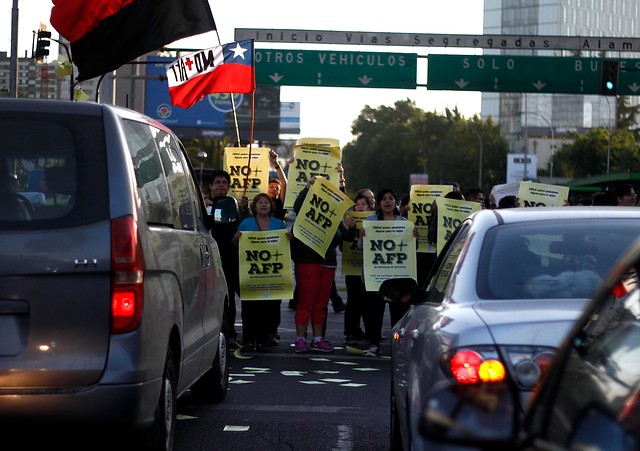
(225, 210)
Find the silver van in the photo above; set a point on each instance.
(112, 292)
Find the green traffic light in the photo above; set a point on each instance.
(609, 85)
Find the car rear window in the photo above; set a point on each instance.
(562, 260)
(53, 170)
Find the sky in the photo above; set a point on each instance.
(325, 111)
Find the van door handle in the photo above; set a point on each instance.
(205, 256)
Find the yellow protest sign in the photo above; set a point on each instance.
(236, 161)
(421, 200)
(531, 194)
(320, 214)
(266, 271)
(389, 252)
(451, 212)
(351, 255)
(311, 160)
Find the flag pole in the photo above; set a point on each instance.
(246, 179)
(235, 119)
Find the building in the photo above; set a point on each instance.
(537, 123)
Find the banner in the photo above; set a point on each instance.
(533, 194)
(389, 252)
(311, 160)
(235, 163)
(451, 212)
(320, 215)
(503, 190)
(421, 200)
(266, 271)
(351, 255)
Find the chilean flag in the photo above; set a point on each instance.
(105, 34)
(227, 68)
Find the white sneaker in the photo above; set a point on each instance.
(373, 351)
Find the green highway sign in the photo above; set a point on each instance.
(539, 74)
(339, 69)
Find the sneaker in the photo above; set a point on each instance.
(373, 351)
(274, 340)
(300, 345)
(321, 346)
(339, 307)
(350, 339)
(233, 344)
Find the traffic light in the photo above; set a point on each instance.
(42, 46)
(609, 78)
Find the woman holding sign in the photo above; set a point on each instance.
(373, 313)
(260, 318)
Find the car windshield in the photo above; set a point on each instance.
(559, 260)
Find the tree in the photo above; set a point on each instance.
(393, 142)
(587, 155)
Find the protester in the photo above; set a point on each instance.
(356, 292)
(219, 185)
(278, 186)
(260, 318)
(625, 195)
(314, 278)
(373, 313)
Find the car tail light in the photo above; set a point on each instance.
(128, 274)
(483, 364)
(469, 367)
(529, 365)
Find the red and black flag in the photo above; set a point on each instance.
(105, 34)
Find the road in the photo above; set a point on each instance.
(288, 401)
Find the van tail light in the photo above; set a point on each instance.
(127, 265)
(630, 413)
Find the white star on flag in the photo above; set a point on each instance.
(238, 51)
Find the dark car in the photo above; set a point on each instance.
(503, 293)
(589, 398)
(112, 293)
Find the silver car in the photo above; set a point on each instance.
(502, 295)
(112, 292)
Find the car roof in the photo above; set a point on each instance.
(515, 215)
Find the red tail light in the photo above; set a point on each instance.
(127, 299)
(469, 367)
(619, 290)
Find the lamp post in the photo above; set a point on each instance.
(475, 132)
(202, 155)
(553, 138)
(608, 135)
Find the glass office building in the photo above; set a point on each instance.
(523, 117)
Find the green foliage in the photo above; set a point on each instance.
(392, 143)
(587, 155)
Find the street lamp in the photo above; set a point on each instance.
(475, 132)
(202, 155)
(608, 135)
(553, 138)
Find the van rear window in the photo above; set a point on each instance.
(52, 169)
